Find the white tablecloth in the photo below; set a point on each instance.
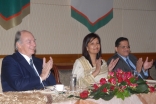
(44, 97)
(129, 100)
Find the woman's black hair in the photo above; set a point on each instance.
(88, 38)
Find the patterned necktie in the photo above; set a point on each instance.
(31, 64)
(41, 85)
(129, 64)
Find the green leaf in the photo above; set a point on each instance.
(99, 94)
(142, 88)
(140, 81)
(78, 97)
(70, 96)
(120, 95)
(108, 97)
(123, 94)
(92, 93)
(132, 80)
(104, 96)
(123, 83)
(126, 93)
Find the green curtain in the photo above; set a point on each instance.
(12, 12)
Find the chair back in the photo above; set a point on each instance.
(56, 74)
(1, 59)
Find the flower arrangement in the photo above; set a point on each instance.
(120, 84)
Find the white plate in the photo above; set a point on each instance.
(151, 81)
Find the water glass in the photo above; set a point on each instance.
(73, 81)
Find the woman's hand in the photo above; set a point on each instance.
(98, 67)
(112, 64)
(98, 64)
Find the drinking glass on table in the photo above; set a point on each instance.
(73, 80)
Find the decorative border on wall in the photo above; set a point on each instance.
(66, 61)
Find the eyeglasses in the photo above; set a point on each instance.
(123, 47)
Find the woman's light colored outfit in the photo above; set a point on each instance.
(84, 71)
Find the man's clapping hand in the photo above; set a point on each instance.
(46, 68)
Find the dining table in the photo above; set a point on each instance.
(49, 96)
(41, 97)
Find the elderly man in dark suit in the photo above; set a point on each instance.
(127, 61)
(21, 71)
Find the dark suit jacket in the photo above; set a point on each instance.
(123, 65)
(17, 74)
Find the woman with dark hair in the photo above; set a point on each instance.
(90, 68)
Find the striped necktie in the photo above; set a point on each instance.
(129, 64)
(31, 64)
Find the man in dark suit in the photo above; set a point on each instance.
(127, 61)
(21, 74)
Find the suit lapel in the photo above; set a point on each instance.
(37, 64)
(24, 63)
(133, 60)
(124, 64)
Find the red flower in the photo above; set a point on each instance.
(128, 82)
(133, 85)
(111, 74)
(151, 89)
(95, 87)
(103, 81)
(122, 88)
(104, 90)
(119, 83)
(112, 81)
(120, 79)
(119, 71)
(112, 88)
(84, 94)
(128, 75)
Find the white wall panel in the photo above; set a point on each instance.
(7, 36)
(58, 33)
(140, 28)
(111, 31)
(139, 4)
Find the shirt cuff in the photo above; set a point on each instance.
(145, 72)
(40, 79)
